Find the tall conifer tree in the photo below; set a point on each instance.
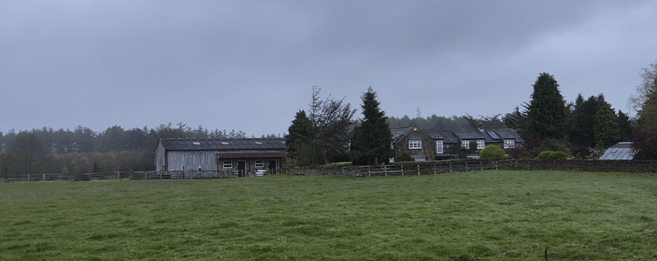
(299, 134)
(605, 127)
(546, 114)
(370, 142)
(581, 134)
(625, 126)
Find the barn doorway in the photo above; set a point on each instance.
(241, 168)
(272, 167)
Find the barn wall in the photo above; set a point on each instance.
(190, 160)
(160, 153)
(250, 168)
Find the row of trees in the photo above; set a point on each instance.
(328, 134)
(83, 150)
(584, 126)
(116, 138)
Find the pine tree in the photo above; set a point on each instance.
(299, 134)
(625, 126)
(370, 142)
(605, 127)
(546, 114)
(581, 134)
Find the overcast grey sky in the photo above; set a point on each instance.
(250, 65)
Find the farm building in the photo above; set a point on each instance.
(426, 145)
(232, 157)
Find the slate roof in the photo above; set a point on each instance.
(509, 134)
(471, 135)
(228, 144)
(447, 135)
(398, 132)
(620, 151)
(453, 136)
(434, 134)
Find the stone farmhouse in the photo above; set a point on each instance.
(424, 145)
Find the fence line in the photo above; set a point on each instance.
(396, 169)
(435, 167)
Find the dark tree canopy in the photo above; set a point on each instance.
(370, 142)
(625, 126)
(644, 138)
(330, 120)
(28, 150)
(580, 129)
(546, 113)
(605, 125)
(299, 134)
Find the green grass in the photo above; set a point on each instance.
(490, 215)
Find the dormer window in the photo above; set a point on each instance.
(259, 142)
(196, 143)
(224, 143)
(415, 144)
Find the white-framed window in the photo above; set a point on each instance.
(465, 144)
(439, 146)
(259, 163)
(481, 144)
(414, 144)
(509, 143)
(228, 164)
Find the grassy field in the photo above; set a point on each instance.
(489, 215)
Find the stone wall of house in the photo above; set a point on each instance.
(428, 145)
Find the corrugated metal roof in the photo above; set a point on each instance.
(228, 144)
(242, 155)
(620, 151)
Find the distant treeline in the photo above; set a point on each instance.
(83, 150)
(116, 138)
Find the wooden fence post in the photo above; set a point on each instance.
(418, 169)
(44, 176)
(450, 167)
(481, 166)
(402, 169)
(466, 166)
(28, 177)
(434, 168)
(369, 170)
